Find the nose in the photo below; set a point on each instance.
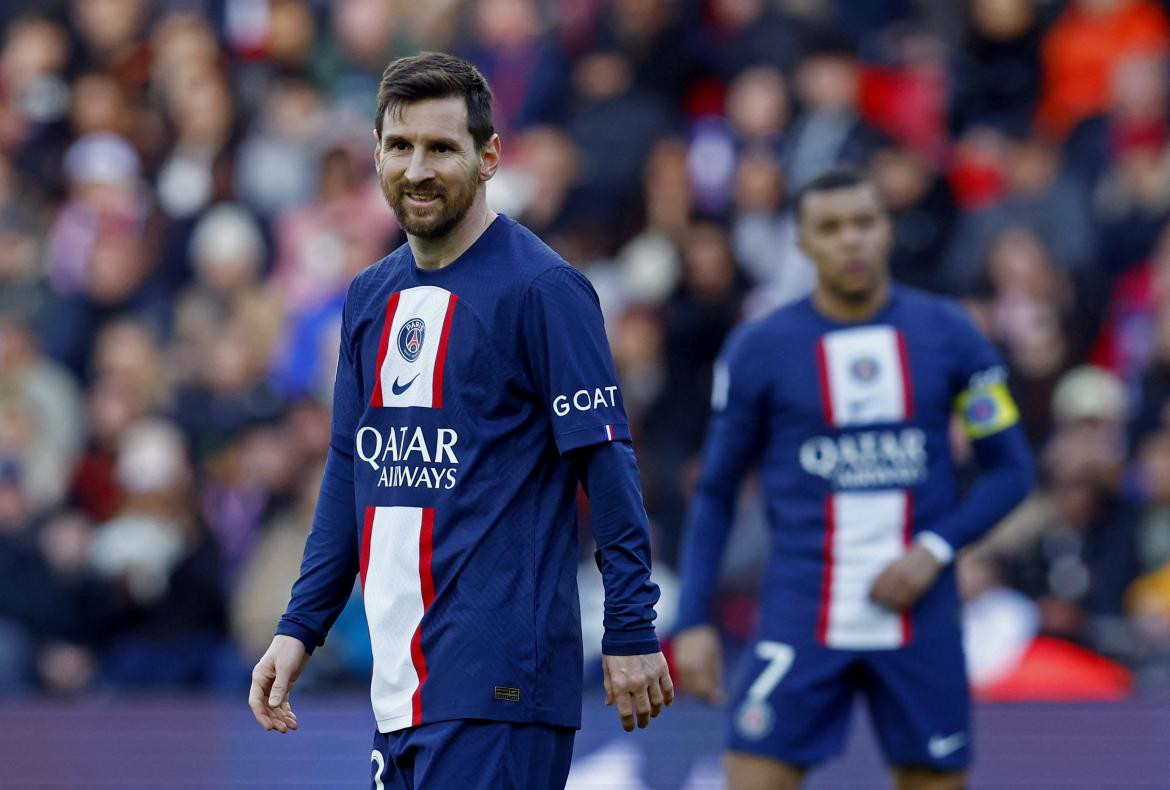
(851, 236)
(418, 169)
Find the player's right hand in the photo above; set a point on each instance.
(272, 681)
(698, 657)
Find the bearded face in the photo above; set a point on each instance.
(429, 165)
(430, 208)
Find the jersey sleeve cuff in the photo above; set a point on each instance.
(630, 643)
(937, 546)
(596, 434)
(307, 637)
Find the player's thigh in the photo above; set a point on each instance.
(791, 702)
(475, 754)
(753, 772)
(920, 704)
(384, 774)
(922, 778)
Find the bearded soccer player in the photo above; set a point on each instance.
(844, 401)
(474, 389)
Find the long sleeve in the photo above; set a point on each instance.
(609, 472)
(1006, 476)
(734, 439)
(330, 561)
(991, 420)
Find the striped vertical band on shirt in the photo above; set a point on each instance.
(907, 379)
(383, 345)
(823, 380)
(427, 583)
(441, 358)
(609, 433)
(398, 590)
(864, 376)
(826, 573)
(907, 536)
(367, 530)
(864, 533)
(412, 355)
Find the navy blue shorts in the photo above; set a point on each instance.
(471, 754)
(793, 703)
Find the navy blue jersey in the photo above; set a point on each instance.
(459, 391)
(850, 427)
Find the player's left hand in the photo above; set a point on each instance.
(640, 685)
(904, 581)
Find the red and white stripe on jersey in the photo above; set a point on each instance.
(609, 433)
(864, 532)
(400, 381)
(864, 376)
(397, 589)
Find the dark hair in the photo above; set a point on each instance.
(829, 181)
(437, 75)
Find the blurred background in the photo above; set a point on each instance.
(186, 189)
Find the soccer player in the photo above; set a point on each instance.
(844, 400)
(475, 388)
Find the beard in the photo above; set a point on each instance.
(436, 221)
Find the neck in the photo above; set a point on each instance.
(443, 251)
(851, 311)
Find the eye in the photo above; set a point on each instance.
(441, 148)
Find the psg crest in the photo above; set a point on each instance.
(864, 369)
(754, 719)
(410, 339)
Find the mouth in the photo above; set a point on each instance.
(421, 199)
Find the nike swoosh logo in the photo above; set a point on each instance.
(940, 747)
(398, 389)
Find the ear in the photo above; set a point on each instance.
(377, 152)
(489, 158)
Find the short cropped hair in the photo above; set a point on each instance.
(829, 181)
(437, 75)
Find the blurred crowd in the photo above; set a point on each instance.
(186, 189)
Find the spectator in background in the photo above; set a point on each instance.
(1127, 342)
(828, 131)
(1031, 309)
(923, 212)
(526, 69)
(1133, 197)
(1082, 554)
(43, 416)
(276, 166)
(24, 294)
(34, 97)
(1137, 110)
(615, 124)
(697, 318)
(757, 117)
(649, 264)
(996, 73)
(41, 613)
(751, 33)
(165, 566)
(1038, 194)
(1080, 51)
(764, 235)
(348, 64)
(130, 382)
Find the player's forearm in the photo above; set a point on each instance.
(330, 560)
(610, 475)
(708, 524)
(1006, 479)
